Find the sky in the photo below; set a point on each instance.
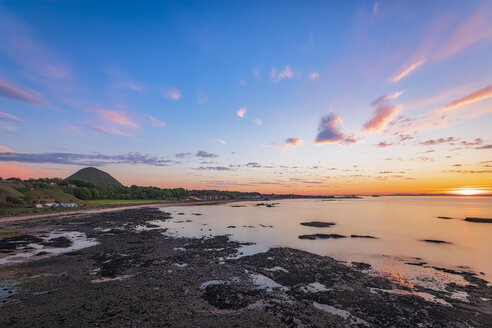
(306, 97)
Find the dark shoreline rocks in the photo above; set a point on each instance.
(478, 220)
(445, 217)
(144, 278)
(318, 224)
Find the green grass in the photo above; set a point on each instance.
(51, 193)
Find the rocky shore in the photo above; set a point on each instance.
(131, 274)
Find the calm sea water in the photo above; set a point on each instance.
(399, 223)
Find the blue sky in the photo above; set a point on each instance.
(346, 96)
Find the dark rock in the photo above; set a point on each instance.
(479, 220)
(444, 217)
(58, 242)
(361, 265)
(363, 236)
(321, 236)
(318, 224)
(435, 241)
(231, 227)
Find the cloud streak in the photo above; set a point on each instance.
(481, 94)
(112, 116)
(13, 92)
(84, 159)
(406, 71)
(205, 154)
(9, 117)
(171, 93)
(156, 123)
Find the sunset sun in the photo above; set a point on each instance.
(469, 191)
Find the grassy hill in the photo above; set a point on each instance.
(58, 195)
(91, 174)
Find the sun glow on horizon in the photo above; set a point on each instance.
(468, 191)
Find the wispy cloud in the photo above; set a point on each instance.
(329, 131)
(432, 142)
(314, 76)
(11, 91)
(5, 149)
(171, 93)
(383, 113)
(375, 9)
(473, 29)
(381, 116)
(155, 122)
(292, 142)
(109, 130)
(241, 112)
(9, 117)
(201, 97)
(183, 155)
(384, 144)
(205, 154)
(112, 116)
(406, 70)
(277, 76)
(256, 71)
(257, 121)
(215, 168)
(17, 42)
(475, 96)
(385, 98)
(84, 159)
(222, 141)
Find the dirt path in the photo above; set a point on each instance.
(60, 215)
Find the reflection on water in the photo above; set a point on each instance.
(400, 225)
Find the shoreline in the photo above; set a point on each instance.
(136, 275)
(5, 221)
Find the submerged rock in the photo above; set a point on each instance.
(436, 241)
(321, 236)
(479, 220)
(363, 236)
(318, 224)
(444, 217)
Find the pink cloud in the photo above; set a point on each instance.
(477, 27)
(381, 116)
(314, 76)
(109, 130)
(155, 122)
(432, 142)
(387, 97)
(384, 144)
(329, 131)
(293, 142)
(406, 70)
(39, 63)
(241, 112)
(475, 96)
(172, 93)
(286, 73)
(9, 117)
(5, 149)
(15, 171)
(113, 116)
(11, 91)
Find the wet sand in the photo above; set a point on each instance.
(134, 275)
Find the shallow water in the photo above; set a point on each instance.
(399, 223)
